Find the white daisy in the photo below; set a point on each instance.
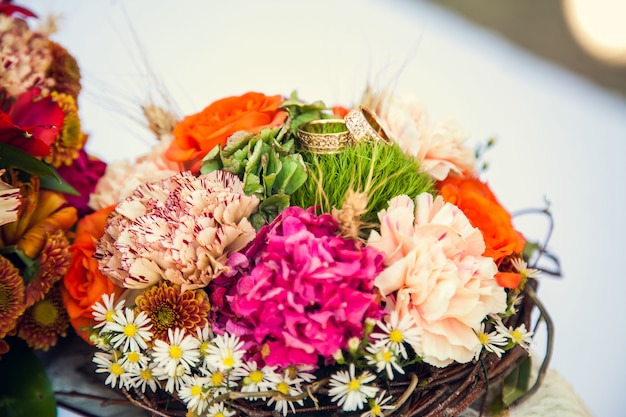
(194, 392)
(140, 377)
(521, 267)
(133, 332)
(303, 372)
(513, 302)
(109, 363)
(397, 332)
(225, 353)
(254, 379)
(219, 382)
(205, 335)
(378, 406)
(134, 360)
(491, 341)
(174, 379)
(519, 336)
(382, 355)
(180, 349)
(219, 410)
(352, 391)
(104, 313)
(287, 386)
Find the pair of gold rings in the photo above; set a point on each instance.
(329, 136)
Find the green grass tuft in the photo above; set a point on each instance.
(330, 176)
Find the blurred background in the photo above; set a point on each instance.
(546, 79)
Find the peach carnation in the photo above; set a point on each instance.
(437, 274)
(439, 147)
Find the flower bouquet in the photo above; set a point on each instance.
(41, 144)
(271, 256)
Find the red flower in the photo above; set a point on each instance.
(9, 9)
(31, 122)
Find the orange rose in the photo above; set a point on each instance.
(84, 284)
(197, 134)
(484, 212)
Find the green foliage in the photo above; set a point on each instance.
(392, 173)
(516, 383)
(12, 157)
(25, 390)
(300, 113)
(266, 163)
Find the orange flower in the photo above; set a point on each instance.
(84, 284)
(340, 111)
(197, 134)
(484, 212)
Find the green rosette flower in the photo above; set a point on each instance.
(268, 165)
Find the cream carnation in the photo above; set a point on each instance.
(181, 229)
(439, 147)
(122, 178)
(436, 273)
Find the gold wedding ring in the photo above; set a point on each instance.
(325, 136)
(365, 126)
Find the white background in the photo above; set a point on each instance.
(559, 137)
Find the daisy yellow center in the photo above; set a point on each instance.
(376, 411)
(516, 336)
(229, 361)
(256, 376)
(176, 352)
(283, 387)
(483, 338)
(204, 348)
(109, 316)
(354, 385)
(220, 415)
(146, 374)
(133, 357)
(45, 313)
(217, 378)
(196, 390)
(396, 336)
(387, 356)
(117, 369)
(130, 330)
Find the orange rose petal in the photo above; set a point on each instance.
(508, 279)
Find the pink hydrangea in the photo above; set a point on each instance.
(181, 229)
(307, 290)
(436, 273)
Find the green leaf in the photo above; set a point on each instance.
(50, 183)
(299, 176)
(211, 162)
(516, 383)
(12, 157)
(252, 184)
(272, 206)
(254, 160)
(237, 141)
(25, 390)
